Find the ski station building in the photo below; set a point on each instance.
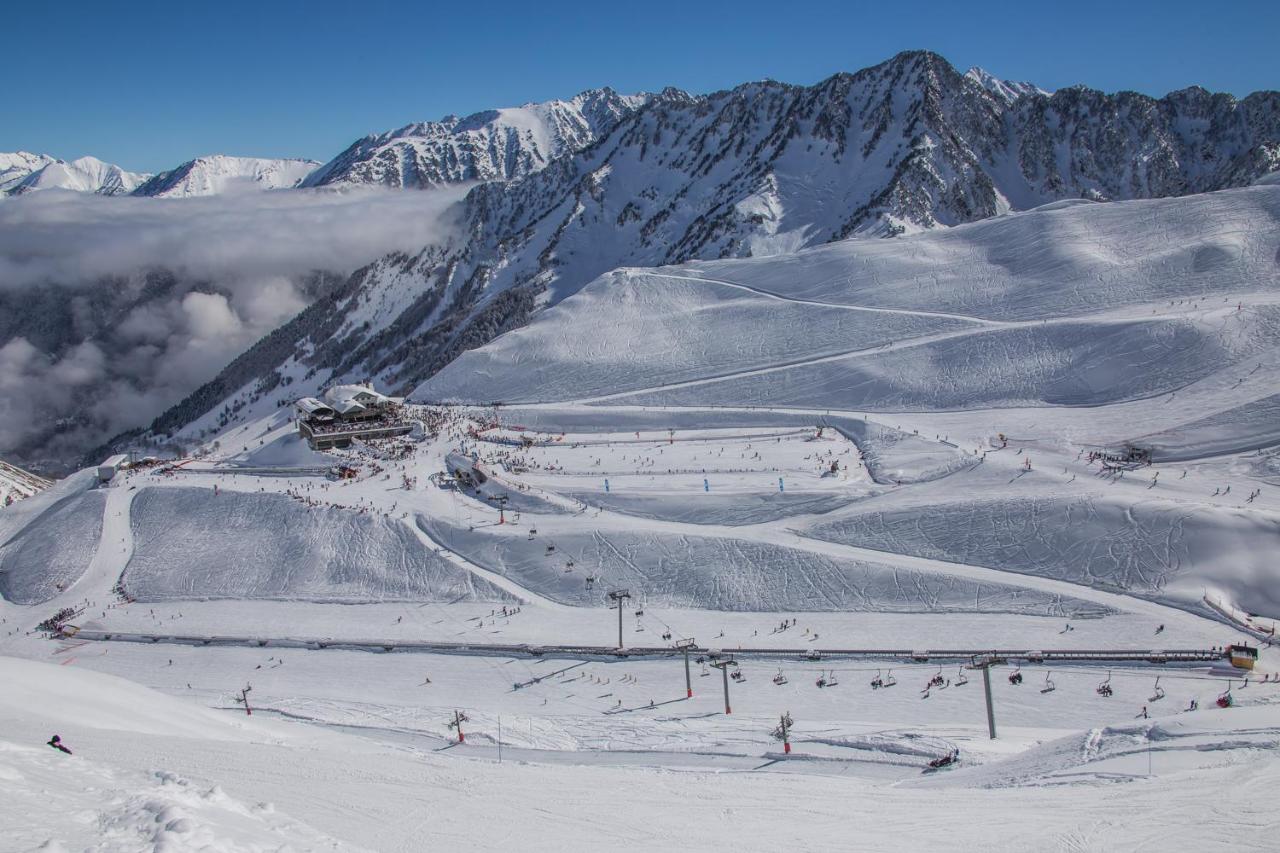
(349, 412)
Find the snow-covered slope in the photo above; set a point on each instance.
(1079, 305)
(87, 174)
(219, 174)
(497, 144)
(16, 484)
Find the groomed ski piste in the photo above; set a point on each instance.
(832, 468)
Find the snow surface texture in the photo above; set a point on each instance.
(1147, 549)
(53, 543)
(731, 574)
(191, 543)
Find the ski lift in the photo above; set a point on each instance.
(1158, 693)
(1224, 698)
(960, 677)
(779, 679)
(737, 675)
(937, 680)
(1015, 677)
(889, 680)
(639, 613)
(832, 681)
(813, 654)
(551, 549)
(877, 682)
(705, 672)
(1049, 686)
(822, 680)
(1104, 689)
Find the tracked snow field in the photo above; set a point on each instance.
(52, 551)
(192, 543)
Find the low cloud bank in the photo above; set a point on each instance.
(113, 309)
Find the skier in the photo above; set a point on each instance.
(56, 743)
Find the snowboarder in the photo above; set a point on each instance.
(56, 743)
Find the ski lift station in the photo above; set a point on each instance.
(349, 412)
(1242, 656)
(112, 466)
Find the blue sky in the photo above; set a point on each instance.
(149, 85)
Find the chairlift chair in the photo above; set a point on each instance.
(877, 682)
(832, 681)
(1015, 677)
(960, 678)
(779, 679)
(1049, 686)
(1104, 689)
(1158, 693)
(889, 680)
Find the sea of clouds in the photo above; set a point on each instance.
(113, 353)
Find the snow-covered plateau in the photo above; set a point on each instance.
(854, 480)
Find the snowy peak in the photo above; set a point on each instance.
(87, 174)
(501, 144)
(220, 174)
(16, 484)
(1007, 90)
(17, 165)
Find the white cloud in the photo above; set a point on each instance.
(127, 350)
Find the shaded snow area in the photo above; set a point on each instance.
(54, 549)
(1158, 549)
(191, 543)
(730, 574)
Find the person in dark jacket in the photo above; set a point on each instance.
(56, 743)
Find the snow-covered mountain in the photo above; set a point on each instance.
(1008, 90)
(766, 168)
(218, 174)
(22, 172)
(16, 484)
(17, 165)
(497, 144)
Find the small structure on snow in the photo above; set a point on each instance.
(349, 412)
